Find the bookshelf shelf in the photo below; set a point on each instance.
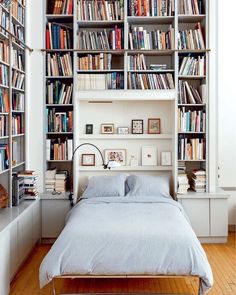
(18, 165)
(59, 105)
(58, 133)
(17, 46)
(128, 168)
(150, 19)
(59, 77)
(183, 132)
(17, 22)
(18, 135)
(98, 23)
(4, 63)
(100, 71)
(191, 105)
(58, 161)
(59, 16)
(4, 86)
(18, 90)
(183, 18)
(151, 71)
(191, 77)
(126, 137)
(5, 171)
(4, 137)
(18, 70)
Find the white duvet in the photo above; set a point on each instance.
(127, 236)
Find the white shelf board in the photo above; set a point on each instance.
(49, 196)
(188, 18)
(194, 77)
(150, 19)
(98, 23)
(125, 136)
(127, 168)
(18, 135)
(18, 165)
(110, 95)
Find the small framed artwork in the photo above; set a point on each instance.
(123, 130)
(89, 128)
(166, 159)
(88, 160)
(154, 126)
(117, 155)
(149, 156)
(137, 126)
(107, 128)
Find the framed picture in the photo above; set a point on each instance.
(89, 128)
(123, 130)
(137, 126)
(118, 155)
(166, 159)
(149, 156)
(88, 160)
(107, 128)
(154, 126)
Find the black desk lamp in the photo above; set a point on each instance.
(109, 165)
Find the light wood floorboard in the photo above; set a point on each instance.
(222, 258)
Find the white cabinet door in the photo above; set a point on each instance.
(53, 217)
(219, 217)
(5, 262)
(14, 250)
(36, 222)
(198, 213)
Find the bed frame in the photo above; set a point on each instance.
(123, 277)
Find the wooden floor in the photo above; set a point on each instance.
(222, 258)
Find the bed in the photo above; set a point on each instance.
(127, 236)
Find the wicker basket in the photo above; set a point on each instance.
(3, 197)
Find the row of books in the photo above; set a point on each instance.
(4, 157)
(198, 181)
(60, 7)
(59, 121)
(100, 81)
(30, 184)
(18, 101)
(188, 94)
(4, 52)
(18, 79)
(151, 7)
(100, 10)
(100, 61)
(56, 180)
(18, 59)
(59, 64)
(191, 148)
(17, 31)
(59, 93)
(140, 38)
(191, 65)
(106, 39)
(57, 149)
(4, 20)
(190, 7)
(138, 63)
(58, 36)
(3, 75)
(15, 152)
(191, 39)
(150, 81)
(4, 101)
(3, 125)
(18, 11)
(191, 121)
(17, 124)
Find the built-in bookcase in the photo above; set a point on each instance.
(115, 79)
(12, 92)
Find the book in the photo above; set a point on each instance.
(58, 92)
(191, 121)
(151, 7)
(100, 81)
(14, 152)
(18, 80)
(190, 65)
(58, 36)
(193, 7)
(191, 39)
(102, 61)
(57, 149)
(188, 94)
(150, 81)
(59, 64)
(60, 7)
(59, 121)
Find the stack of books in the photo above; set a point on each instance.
(190, 7)
(4, 157)
(100, 81)
(30, 184)
(100, 61)
(183, 182)
(192, 66)
(50, 180)
(150, 81)
(191, 121)
(59, 92)
(188, 94)
(61, 181)
(59, 64)
(191, 39)
(198, 181)
(151, 7)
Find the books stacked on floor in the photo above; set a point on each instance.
(4, 52)
(183, 182)
(4, 75)
(100, 81)
(100, 10)
(140, 38)
(100, 61)
(58, 149)
(151, 7)
(4, 101)
(50, 180)
(150, 81)
(59, 121)
(18, 11)
(30, 184)
(188, 94)
(191, 65)
(198, 181)
(18, 31)
(17, 59)
(58, 36)
(190, 7)
(18, 102)
(18, 80)
(191, 148)
(106, 39)
(4, 20)
(59, 64)
(3, 125)
(191, 121)
(60, 7)
(59, 92)
(191, 39)
(4, 157)
(61, 181)
(17, 124)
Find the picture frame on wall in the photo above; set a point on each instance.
(107, 128)
(88, 159)
(166, 158)
(154, 126)
(117, 155)
(89, 128)
(137, 126)
(123, 130)
(149, 156)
